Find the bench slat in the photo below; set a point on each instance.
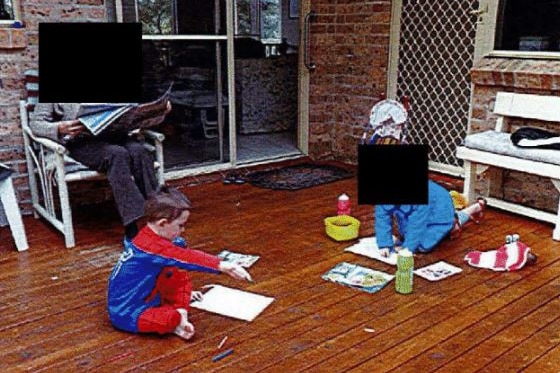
(512, 163)
(528, 106)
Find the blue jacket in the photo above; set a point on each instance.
(422, 226)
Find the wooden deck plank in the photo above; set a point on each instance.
(54, 317)
(509, 318)
(518, 356)
(276, 356)
(548, 362)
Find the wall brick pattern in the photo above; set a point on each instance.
(349, 43)
(18, 52)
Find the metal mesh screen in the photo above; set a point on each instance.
(435, 57)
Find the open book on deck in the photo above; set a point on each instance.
(123, 117)
(243, 260)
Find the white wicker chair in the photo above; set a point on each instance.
(50, 167)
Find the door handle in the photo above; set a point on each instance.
(479, 12)
(309, 17)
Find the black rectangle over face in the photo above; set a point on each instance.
(392, 174)
(90, 62)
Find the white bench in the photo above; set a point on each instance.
(494, 148)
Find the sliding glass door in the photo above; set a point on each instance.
(234, 68)
(185, 42)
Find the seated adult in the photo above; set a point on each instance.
(128, 165)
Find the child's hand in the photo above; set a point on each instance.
(235, 271)
(197, 296)
(384, 252)
(398, 248)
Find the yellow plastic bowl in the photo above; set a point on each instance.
(342, 227)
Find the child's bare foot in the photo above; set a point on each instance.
(185, 329)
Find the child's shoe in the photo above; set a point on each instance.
(185, 329)
(477, 216)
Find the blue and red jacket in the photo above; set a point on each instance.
(134, 277)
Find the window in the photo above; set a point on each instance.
(518, 28)
(9, 11)
(528, 25)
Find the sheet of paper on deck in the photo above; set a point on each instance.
(234, 303)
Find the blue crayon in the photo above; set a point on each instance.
(222, 355)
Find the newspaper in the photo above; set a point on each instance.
(5, 171)
(123, 117)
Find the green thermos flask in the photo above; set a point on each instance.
(404, 275)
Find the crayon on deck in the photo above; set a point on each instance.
(222, 355)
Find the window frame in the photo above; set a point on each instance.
(488, 15)
(16, 8)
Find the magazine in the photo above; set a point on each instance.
(437, 271)
(358, 277)
(123, 117)
(368, 247)
(244, 260)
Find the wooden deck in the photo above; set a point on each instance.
(52, 299)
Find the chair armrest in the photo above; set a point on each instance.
(153, 135)
(48, 143)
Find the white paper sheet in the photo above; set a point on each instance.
(234, 303)
(437, 271)
(368, 247)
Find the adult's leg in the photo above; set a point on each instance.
(115, 161)
(142, 167)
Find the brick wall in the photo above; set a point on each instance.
(350, 46)
(18, 52)
(492, 75)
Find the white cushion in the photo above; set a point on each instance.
(500, 143)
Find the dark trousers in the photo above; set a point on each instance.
(129, 168)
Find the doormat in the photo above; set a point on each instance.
(299, 176)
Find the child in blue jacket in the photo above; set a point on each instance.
(422, 227)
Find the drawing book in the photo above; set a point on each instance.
(244, 260)
(368, 247)
(234, 303)
(125, 117)
(358, 277)
(437, 271)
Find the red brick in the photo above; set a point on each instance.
(12, 38)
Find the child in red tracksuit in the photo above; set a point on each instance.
(149, 290)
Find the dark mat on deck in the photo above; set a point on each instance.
(299, 176)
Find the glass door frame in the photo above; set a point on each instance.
(229, 38)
